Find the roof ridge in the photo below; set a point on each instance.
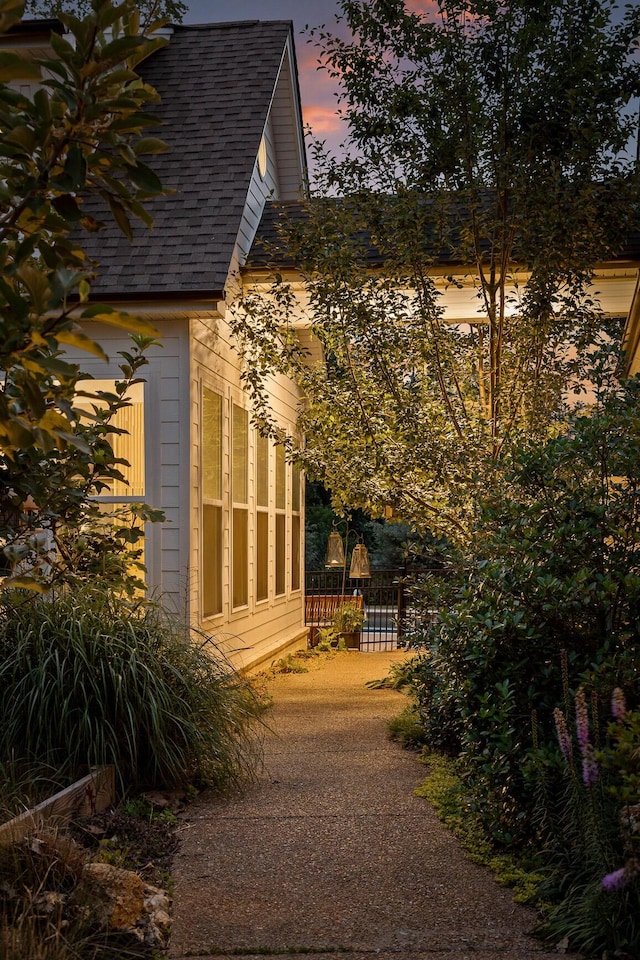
(226, 24)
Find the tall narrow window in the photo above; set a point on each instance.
(281, 506)
(240, 509)
(295, 527)
(262, 517)
(211, 503)
(127, 446)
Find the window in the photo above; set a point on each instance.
(212, 532)
(126, 446)
(240, 508)
(295, 527)
(262, 517)
(262, 159)
(129, 446)
(281, 505)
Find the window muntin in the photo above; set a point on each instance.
(262, 471)
(240, 507)
(240, 578)
(212, 516)
(262, 518)
(281, 546)
(262, 555)
(281, 520)
(296, 527)
(281, 477)
(240, 454)
(117, 496)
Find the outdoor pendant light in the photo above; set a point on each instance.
(360, 566)
(335, 551)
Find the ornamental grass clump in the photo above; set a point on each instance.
(87, 678)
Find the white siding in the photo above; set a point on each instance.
(260, 189)
(287, 134)
(262, 628)
(166, 449)
(284, 178)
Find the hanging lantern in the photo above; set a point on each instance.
(360, 566)
(335, 551)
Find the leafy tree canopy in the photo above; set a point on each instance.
(485, 151)
(74, 124)
(150, 11)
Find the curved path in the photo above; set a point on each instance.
(330, 854)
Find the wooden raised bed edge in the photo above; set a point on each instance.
(89, 795)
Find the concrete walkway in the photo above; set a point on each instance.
(331, 853)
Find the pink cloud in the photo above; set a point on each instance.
(422, 6)
(322, 119)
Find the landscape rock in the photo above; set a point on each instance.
(120, 900)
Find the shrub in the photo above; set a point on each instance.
(87, 678)
(554, 567)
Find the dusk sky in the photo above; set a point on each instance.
(316, 89)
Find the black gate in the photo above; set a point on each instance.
(383, 598)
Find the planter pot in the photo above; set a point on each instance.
(351, 640)
(89, 795)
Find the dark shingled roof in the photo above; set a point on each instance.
(216, 82)
(268, 250)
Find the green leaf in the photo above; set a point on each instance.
(74, 338)
(119, 215)
(11, 12)
(144, 177)
(62, 48)
(67, 206)
(23, 582)
(14, 436)
(23, 136)
(33, 396)
(37, 287)
(120, 49)
(58, 367)
(75, 167)
(150, 145)
(14, 66)
(102, 313)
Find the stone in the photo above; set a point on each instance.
(120, 900)
(116, 895)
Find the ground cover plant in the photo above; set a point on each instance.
(544, 609)
(87, 678)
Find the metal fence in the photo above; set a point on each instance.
(384, 606)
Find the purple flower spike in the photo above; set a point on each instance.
(582, 720)
(563, 735)
(616, 880)
(618, 705)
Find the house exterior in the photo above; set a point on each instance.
(229, 554)
(632, 333)
(616, 282)
(615, 285)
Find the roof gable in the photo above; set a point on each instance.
(217, 84)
